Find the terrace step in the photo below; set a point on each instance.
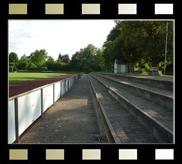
(155, 118)
(158, 95)
(126, 128)
(154, 81)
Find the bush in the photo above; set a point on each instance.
(145, 67)
(43, 68)
(160, 73)
(22, 65)
(32, 66)
(169, 68)
(15, 68)
(88, 70)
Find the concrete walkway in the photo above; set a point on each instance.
(71, 120)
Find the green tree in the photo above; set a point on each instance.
(113, 47)
(38, 57)
(108, 55)
(59, 56)
(22, 65)
(58, 64)
(88, 54)
(24, 58)
(98, 60)
(76, 63)
(132, 41)
(13, 57)
(31, 66)
(145, 40)
(138, 42)
(50, 63)
(84, 59)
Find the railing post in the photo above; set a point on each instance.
(42, 109)
(16, 120)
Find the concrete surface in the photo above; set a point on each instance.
(71, 120)
(126, 127)
(155, 81)
(155, 118)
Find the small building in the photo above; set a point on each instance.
(121, 66)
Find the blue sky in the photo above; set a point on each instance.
(56, 36)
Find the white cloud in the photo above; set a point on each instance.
(61, 36)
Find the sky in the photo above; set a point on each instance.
(56, 36)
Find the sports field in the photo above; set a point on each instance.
(18, 77)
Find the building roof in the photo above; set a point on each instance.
(120, 62)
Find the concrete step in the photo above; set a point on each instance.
(123, 125)
(154, 81)
(161, 96)
(158, 120)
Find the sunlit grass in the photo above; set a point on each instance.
(18, 77)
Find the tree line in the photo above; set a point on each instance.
(88, 59)
(36, 61)
(141, 43)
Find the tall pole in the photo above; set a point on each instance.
(165, 49)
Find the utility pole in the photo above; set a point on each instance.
(165, 49)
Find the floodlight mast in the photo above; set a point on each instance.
(165, 49)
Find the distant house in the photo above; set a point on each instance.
(65, 58)
(121, 66)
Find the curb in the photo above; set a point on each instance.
(112, 134)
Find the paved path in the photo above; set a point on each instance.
(71, 120)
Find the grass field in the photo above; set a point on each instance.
(18, 77)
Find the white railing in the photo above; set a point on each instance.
(24, 109)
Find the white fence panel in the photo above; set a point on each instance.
(63, 87)
(70, 84)
(57, 91)
(37, 104)
(28, 110)
(29, 106)
(71, 81)
(66, 85)
(11, 121)
(47, 97)
(60, 88)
